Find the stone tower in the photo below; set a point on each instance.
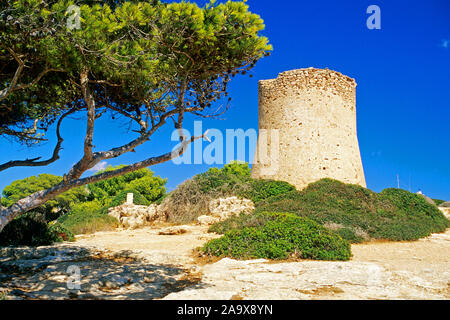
(314, 114)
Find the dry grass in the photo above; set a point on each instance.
(93, 226)
(187, 203)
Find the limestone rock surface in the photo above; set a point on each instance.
(134, 216)
(223, 208)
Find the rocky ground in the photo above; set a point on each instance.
(160, 263)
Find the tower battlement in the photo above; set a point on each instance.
(298, 80)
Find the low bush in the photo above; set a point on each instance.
(264, 189)
(280, 236)
(350, 235)
(31, 229)
(186, 203)
(393, 214)
(240, 221)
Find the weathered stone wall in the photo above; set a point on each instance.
(315, 114)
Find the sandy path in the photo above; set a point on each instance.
(143, 264)
(378, 270)
(431, 253)
(170, 249)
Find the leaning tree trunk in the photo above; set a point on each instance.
(39, 198)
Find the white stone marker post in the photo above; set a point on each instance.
(129, 198)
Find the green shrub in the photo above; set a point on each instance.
(223, 180)
(411, 204)
(59, 233)
(413, 218)
(234, 179)
(31, 229)
(281, 236)
(237, 168)
(350, 235)
(240, 221)
(393, 214)
(264, 189)
(258, 219)
(88, 217)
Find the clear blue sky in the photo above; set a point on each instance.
(403, 92)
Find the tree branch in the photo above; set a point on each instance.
(90, 159)
(13, 85)
(38, 198)
(90, 113)
(28, 134)
(115, 152)
(5, 92)
(86, 161)
(36, 80)
(33, 162)
(128, 115)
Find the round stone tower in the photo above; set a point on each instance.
(307, 128)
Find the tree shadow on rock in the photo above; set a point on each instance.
(76, 273)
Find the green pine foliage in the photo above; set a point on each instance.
(145, 46)
(120, 198)
(149, 59)
(143, 181)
